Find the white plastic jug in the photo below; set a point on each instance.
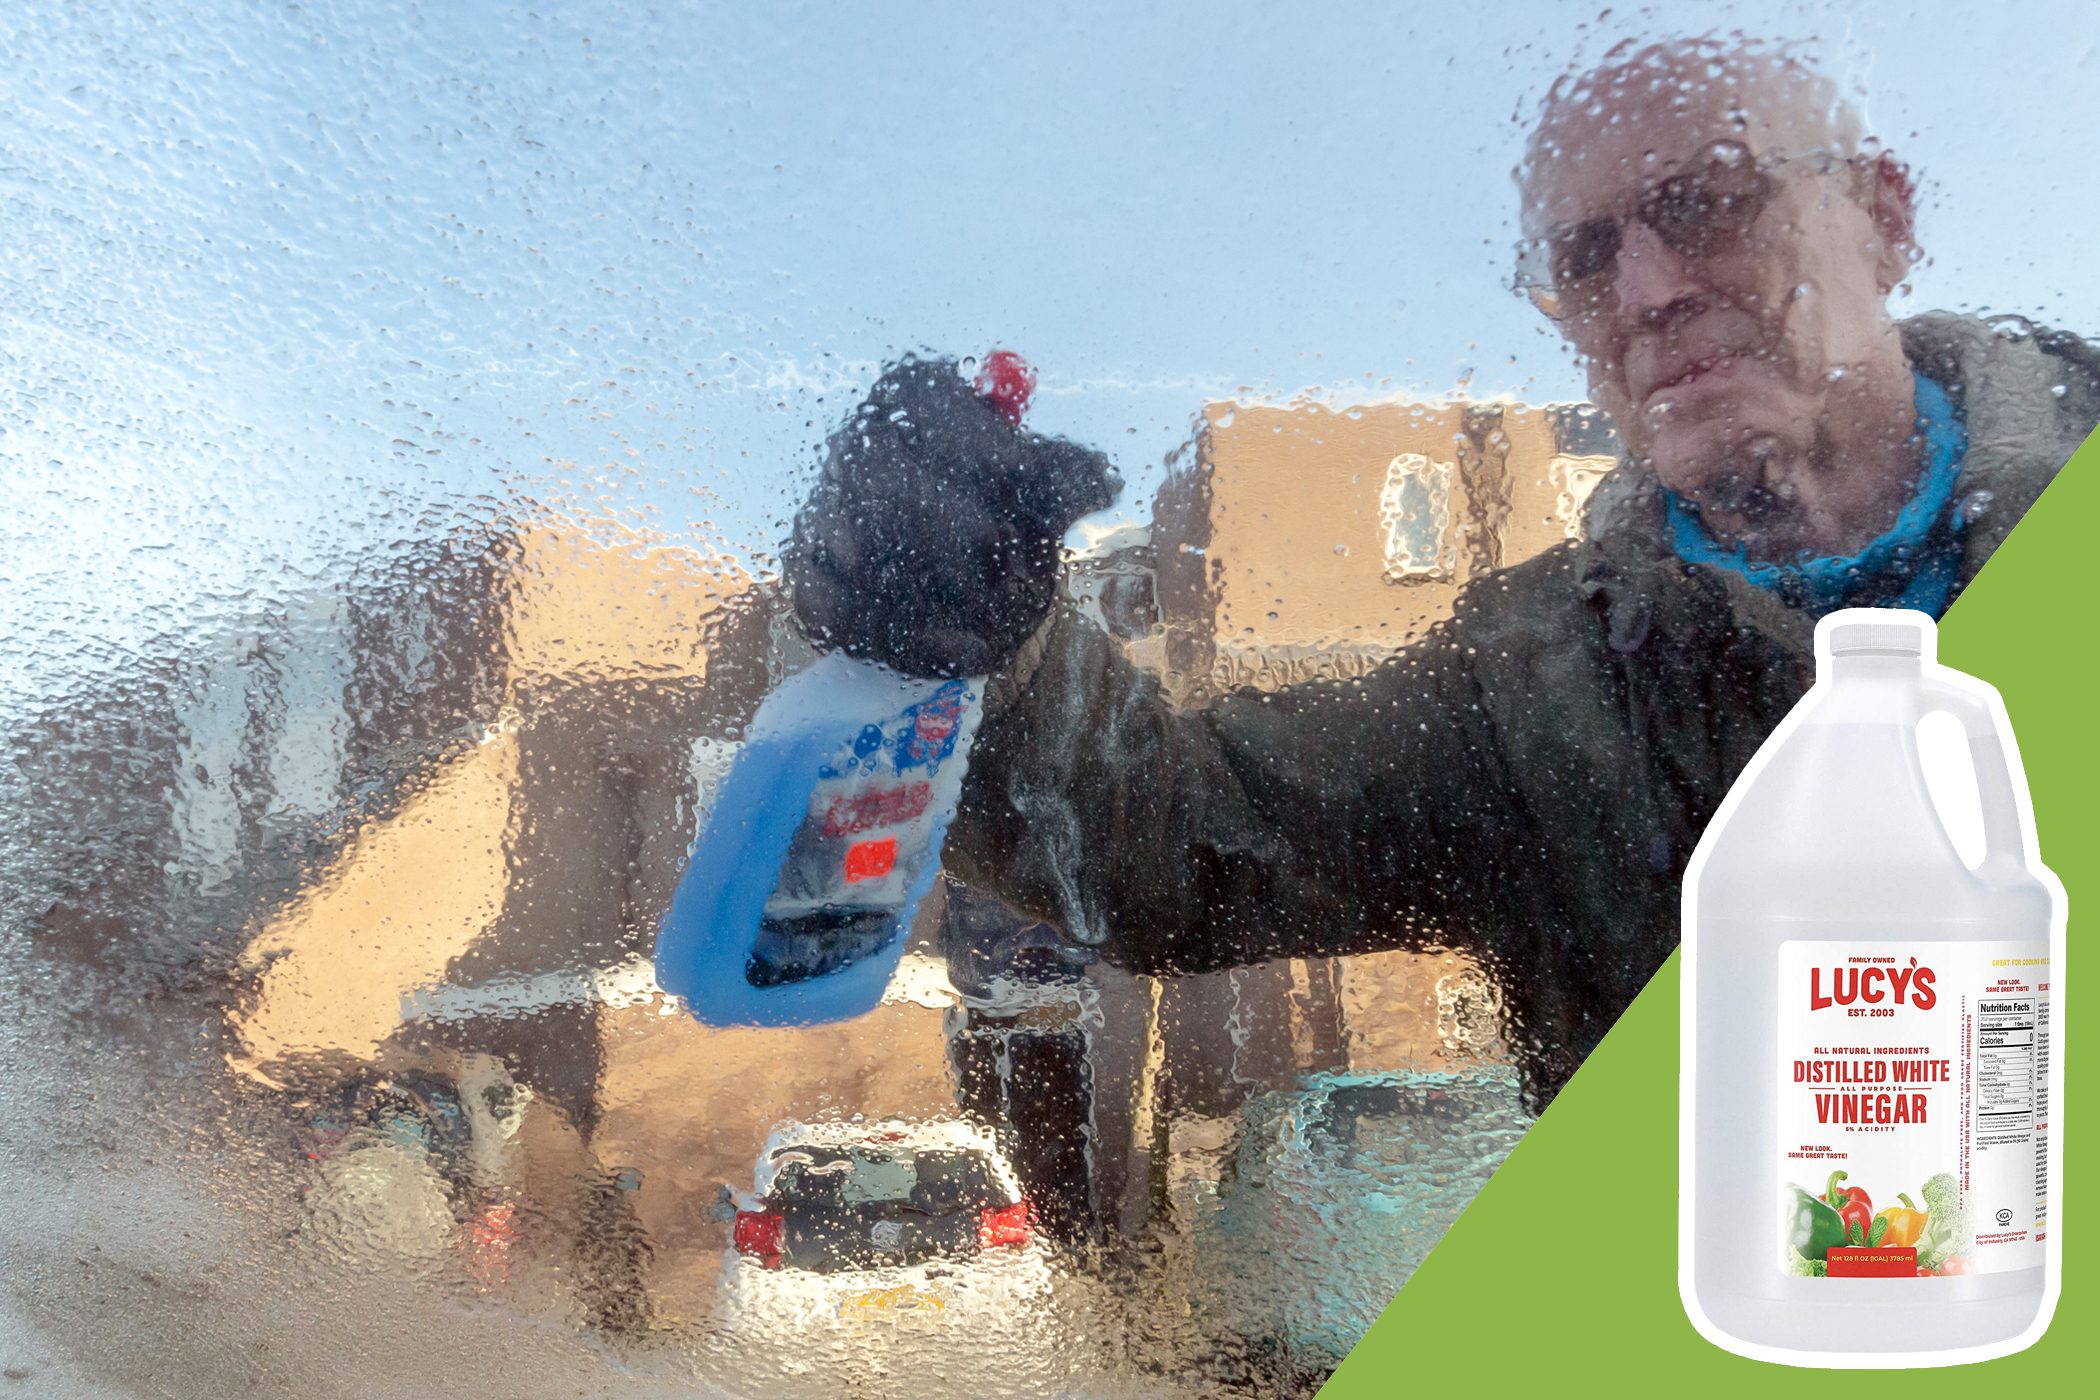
(1867, 1147)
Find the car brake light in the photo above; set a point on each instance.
(761, 1235)
(1006, 1227)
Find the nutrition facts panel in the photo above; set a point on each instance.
(2041, 1100)
(2009, 1070)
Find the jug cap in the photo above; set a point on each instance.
(1876, 632)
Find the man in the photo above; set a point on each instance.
(1717, 244)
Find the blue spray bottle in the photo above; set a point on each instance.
(826, 833)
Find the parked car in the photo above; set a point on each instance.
(1335, 1193)
(882, 1223)
(417, 1162)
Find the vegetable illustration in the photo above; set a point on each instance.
(1854, 1210)
(1900, 1225)
(1813, 1227)
(1843, 1217)
(1946, 1227)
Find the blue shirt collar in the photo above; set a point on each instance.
(1905, 567)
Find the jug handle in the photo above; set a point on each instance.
(2005, 834)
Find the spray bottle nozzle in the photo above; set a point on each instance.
(1006, 381)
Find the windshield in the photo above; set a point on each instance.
(932, 1180)
(1156, 597)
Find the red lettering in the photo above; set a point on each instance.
(1904, 986)
(876, 807)
(1847, 1109)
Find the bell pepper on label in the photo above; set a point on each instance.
(1814, 1227)
(1905, 1224)
(1854, 1210)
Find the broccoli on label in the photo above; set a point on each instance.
(1946, 1224)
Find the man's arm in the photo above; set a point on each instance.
(1324, 818)
(1317, 820)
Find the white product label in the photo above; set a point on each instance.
(1913, 1107)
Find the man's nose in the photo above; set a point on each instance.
(1650, 277)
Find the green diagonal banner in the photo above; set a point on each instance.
(1564, 1270)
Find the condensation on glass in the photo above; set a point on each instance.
(405, 416)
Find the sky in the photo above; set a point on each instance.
(287, 284)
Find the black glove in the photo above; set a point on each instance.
(931, 542)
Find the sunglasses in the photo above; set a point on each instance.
(1696, 213)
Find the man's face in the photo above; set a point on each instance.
(1723, 277)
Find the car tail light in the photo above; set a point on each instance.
(492, 1233)
(761, 1235)
(1006, 1227)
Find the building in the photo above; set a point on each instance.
(1302, 542)
(1308, 541)
(445, 810)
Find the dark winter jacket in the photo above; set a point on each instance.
(1527, 782)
